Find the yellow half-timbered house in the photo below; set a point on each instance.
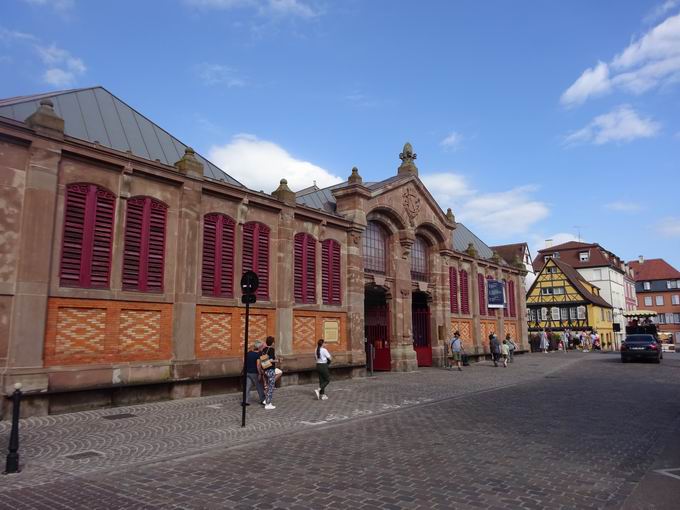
(561, 299)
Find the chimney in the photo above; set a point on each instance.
(548, 243)
(641, 259)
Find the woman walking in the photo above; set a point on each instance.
(323, 359)
(267, 364)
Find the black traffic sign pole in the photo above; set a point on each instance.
(249, 284)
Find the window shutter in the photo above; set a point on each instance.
(511, 299)
(330, 272)
(453, 289)
(464, 292)
(299, 279)
(482, 294)
(74, 228)
(507, 298)
(144, 253)
(256, 255)
(310, 270)
(209, 255)
(217, 275)
(226, 288)
(102, 238)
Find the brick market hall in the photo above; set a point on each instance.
(121, 250)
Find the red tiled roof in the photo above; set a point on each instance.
(569, 253)
(569, 245)
(509, 252)
(653, 269)
(580, 283)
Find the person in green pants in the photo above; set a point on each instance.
(323, 360)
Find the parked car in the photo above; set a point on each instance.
(646, 347)
(667, 347)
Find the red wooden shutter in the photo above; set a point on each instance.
(330, 272)
(453, 289)
(511, 298)
(88, 235)
(226, 281)
(144, 253)
(481, 288)
(310, 269)
(490, 311)
(217, 276)
(299, 278)
(505, 308)
(464, 292)
(209, 254)
(256, 255)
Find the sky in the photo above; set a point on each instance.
(532, 120)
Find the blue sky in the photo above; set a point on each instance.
(531, 120)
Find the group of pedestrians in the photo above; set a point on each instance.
(501, 352)
(262, 372)
(547, 341)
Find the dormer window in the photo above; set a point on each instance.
(584, 256)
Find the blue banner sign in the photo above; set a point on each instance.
(495, 292)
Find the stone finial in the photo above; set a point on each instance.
(355, 178)
(471, 250)
(46, 120)
(496, 258)
(189, 164)
(450, 216)
(283, 193)
(407, 156)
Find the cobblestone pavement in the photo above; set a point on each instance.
(551, 431)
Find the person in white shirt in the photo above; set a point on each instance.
(323, 360)
(456, 347)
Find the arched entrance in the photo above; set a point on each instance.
(422, 344)
(377, 326)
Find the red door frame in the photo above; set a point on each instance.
(422, 339)
(377, 330)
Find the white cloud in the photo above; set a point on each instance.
(661, 10)
(621, 206)
(622, 124)
(216, 74)
(651, 61)
(260, 165)
(9, 36)
(58, 5)
(452, 141)
(503, 214)
(63, 68)
(669, 227)
(270, 8)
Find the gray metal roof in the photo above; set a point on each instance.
(96, 115)
(463, 236)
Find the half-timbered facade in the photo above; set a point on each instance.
(560, 299)
(122, 250)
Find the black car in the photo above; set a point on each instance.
(646, 347)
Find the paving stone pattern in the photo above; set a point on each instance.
(552, 431)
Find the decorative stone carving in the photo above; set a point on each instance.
(450, 216)
(407, 156)
(355, 178)
(189, 164)
(471, 250)
(283, 193)
(411, 204)
(46, 120)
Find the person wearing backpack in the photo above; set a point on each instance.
(323, 360)
(267, 365)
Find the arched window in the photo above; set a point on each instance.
(88, 235)
(512, 304)
(453, 289)
(144, 253)
(375, 248)
(305, 268)
(419, 259)
(464, 292)
(256, 255)
(481, 288)
(217, 275)
(331, 291)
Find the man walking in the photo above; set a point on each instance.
(252, 374)
(495, 348)
(456, 350)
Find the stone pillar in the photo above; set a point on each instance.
(521, 297)
(474, 308)
(355, 294)
(187, 257)
(403, 355)
(283, 247)
(36, 237)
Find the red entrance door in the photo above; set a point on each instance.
(377, 330)
(421, 330)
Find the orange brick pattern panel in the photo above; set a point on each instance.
(308, 327)
(465, 330)
(220, 330)
(80, 331)
(140, 330)
(511, 327)
(215, 333)
(487, 327)
(83, 331)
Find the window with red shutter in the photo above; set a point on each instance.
(144, 252)
(304, 277)
(464, 292)
(256, 255)
(511, 298)
(481, 287)
(453, 289)
(330, 272)
(490, 311)
(217, 276)
(88, 235)
(505, 308)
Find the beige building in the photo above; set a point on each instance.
(121, 251)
